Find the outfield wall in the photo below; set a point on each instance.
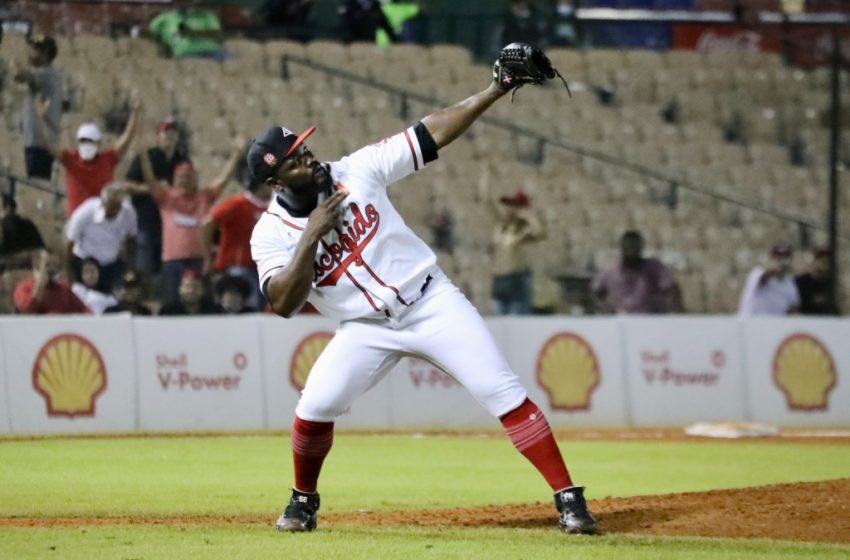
(121, 374)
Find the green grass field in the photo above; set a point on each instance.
(250, 475)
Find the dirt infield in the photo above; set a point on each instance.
(811, 511)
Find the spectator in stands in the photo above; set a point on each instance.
(771, 290)
(18, 236)
(520, 24)
(517, 228)
(183, 208)
(362, 19)
(405, 18)
(44, 293)
(231, 293)
(87, 289)
(88, 168)
(442, 228)
(193, 299)
(814, 286)
(164, 157)
(232, 221)
(290, 18)
(636, 284)
(129, 294)
(44, 85)
(671, 111)
(190, 30)
(102, 228)
(563, 30)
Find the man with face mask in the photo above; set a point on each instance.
(636, 284)
(88, 168)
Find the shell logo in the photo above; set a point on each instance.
(568, 371)
(804, 371)
(69, 373)
(305, 355)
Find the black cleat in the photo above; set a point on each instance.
(574, 516)
(300, 514)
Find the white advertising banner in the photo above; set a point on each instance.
(799, 370)
(199, 373)
(117, 374)
(4, 393)
(684, 369)
(571, 367)
(291, 347)
(69, 374)
(424, 396)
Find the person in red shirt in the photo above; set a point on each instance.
(88, 168)
(233, 220)
(44, 293)
(183, 208)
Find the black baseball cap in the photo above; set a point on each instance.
(268, 150)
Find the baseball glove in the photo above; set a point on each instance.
(520, 64)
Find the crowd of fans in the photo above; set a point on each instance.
(158, 242)
(153, 242)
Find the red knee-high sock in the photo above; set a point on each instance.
(530, 433)
(311, 442)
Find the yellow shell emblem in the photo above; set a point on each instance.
(69, 373)
(305, 355)
(568, 371)
(805, 372)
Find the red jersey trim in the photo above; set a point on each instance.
(287, 222)
(387, 286)
(412, 150)
(362, 290)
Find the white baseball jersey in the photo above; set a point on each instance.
(371, 264)
(370, 274)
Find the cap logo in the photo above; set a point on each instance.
(270, 160)
(286, 132)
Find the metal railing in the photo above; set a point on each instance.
(12, 181)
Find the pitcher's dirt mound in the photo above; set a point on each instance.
(812, 511)
(806, 511)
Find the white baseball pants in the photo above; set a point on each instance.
(442, 328)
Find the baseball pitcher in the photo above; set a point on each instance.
(331, 237)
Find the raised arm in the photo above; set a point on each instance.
(533, 229)
(230, 166)
(126, 137)
(150, 184)
(447, 124)
(23, 76)
(41, 106)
